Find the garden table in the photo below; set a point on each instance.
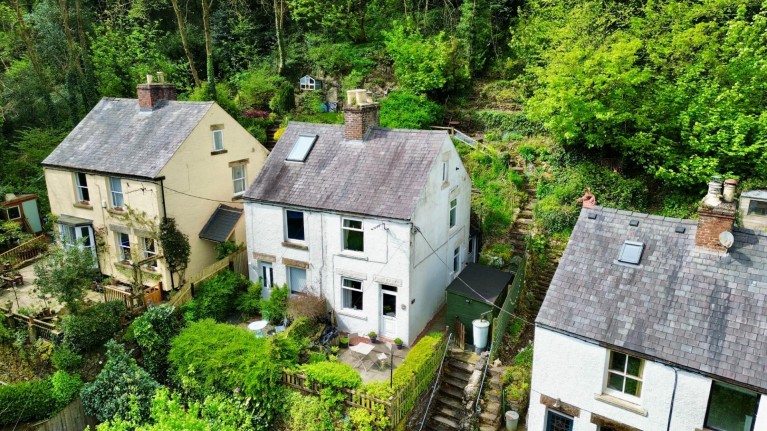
(361, 351)
(258, 326)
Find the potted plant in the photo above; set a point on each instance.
(344, 342)
(398, 343)
(373, 336)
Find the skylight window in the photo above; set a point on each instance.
(301, 148)
(631, 252)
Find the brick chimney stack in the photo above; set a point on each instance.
(714, 217)
(360, 114)
(152, 93)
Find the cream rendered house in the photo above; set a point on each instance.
(129, 163)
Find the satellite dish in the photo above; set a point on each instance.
(726, 239)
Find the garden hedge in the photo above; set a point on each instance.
(94, 326)
(27, 401)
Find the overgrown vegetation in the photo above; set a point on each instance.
(93, 327)
(153, 332)
(215, 298)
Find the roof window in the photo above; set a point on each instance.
(631, 252)
(301, 148)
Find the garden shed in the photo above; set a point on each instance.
(310, 83)
(22, 209)
(478, 289)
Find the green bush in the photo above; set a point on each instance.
(121, 390)
(64, 359)
(362, 420)
(153, 332)
(302, 327)
(6, 335)
(93, 327)
(249, 302)
(66, 387)
(283, 100)
(311, 102)
(28, 401)
(308, 413)
(209, 357)
(334, 374)
(408, 111)
(276, 307)
(555, 217)
(515, 122)
(215, 297)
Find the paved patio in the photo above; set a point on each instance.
(26, 295)
(373, 373)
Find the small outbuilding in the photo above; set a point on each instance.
(22, 209)
(309, 83)
(753, 209)
(478, 289)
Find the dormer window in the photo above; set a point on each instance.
(631, 252)
(301, 148)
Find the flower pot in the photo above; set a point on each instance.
(399, 346)
(373, 340)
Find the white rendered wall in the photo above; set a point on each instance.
(573, 371)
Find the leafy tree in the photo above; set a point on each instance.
(121, 390)
(407, 111)
(175, 247)
(66, 273)
(154, 331)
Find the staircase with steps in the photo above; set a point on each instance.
(449, 408)
(491, 416)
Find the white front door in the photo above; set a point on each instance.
(266, 274)
(388, 311)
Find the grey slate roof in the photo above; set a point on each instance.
(116, 138)
(682, 304)
(383, 175)
(487, 283)
(221, 224)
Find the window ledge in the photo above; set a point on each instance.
(621, 404)
(353, 255)
(445, 185)
(297, 246)
(357, 314)
(116, 211)
(217, 152)
(85, 206)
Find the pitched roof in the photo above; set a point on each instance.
(117, 138)
(681, 304)
(383, 175)
(487, 283)
(221, 223)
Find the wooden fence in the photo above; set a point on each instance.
(25, 252)
(237, 262)
(73, 417)
(36, 328)
(134, 304)
(399, 405)
(501, 322)
(460, 333)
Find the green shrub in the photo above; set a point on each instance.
(215, 297)
(66, 387)
(283, 100)
(28, 401)
(93, 327)
(363, 420)
(153, 331)
(6, 335)
(226, 248)
(64, 359)
(409, 111)
(334, 374)
(302, 327)
(276, 307)
(249, 302)
(311, 102)
(553, 216)
(524, 358)
(208, 357)
(121, 390)
(515, 122)
(307, 413)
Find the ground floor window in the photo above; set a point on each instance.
(352, 293)
(558, 422)
(296, 279)
(731, 408)
(123, 246)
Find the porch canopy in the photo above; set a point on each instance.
(221, 224)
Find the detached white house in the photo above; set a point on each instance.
(375, 220)
(652, 324)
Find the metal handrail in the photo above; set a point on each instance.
(481, 387)
(436, 382)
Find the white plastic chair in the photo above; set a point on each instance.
(382, 357)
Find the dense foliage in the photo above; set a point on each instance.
(153, 332)
(94, 326)
(215, 298)
(121, 390)
(66, 273)
(27, 401)
(65, 359)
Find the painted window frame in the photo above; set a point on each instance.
(114, 193)
(289, 276)
(445, 171)
(82, 192)
(148, 252)
(620, 393)
(242, 180)
(220, 134)
(345, 229)
(453, 213)
(8, 212)
(123, 251)
(706, 423)
(457, 260)
(547, 418)
(359, 289)
(287, 227)
(266, 283)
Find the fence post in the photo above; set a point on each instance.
(32, 330)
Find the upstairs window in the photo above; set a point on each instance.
(631, 252)
(453, 212)
(731, 408)
(294, 225)
(218, 140)
(624, 375)
(301, 148)
(352, 293)
(239, 179)
(123, 247)
(354, 236)
(116, 191)
(81, 184)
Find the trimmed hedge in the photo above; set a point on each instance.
(93, 327)
(334, 374)
(28, 401)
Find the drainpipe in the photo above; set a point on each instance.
(164, 217)
(673, 395)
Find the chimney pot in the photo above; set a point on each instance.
(729, 190)
(360, 114)
(149, 78)
(161, 77)
(714, 217)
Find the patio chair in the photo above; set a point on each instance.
(382, 358)
(278, 329)
(351, 337)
